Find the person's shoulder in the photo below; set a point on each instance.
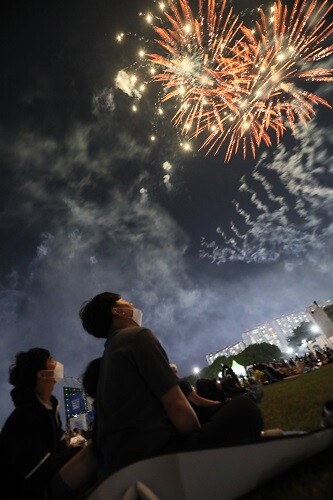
(145, 337)
(143, 334)
(132, 334)
(145, 331)
(18, 417)
(133, 331)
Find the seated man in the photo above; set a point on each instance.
(229, 383)
(140, 410)
(210, 389)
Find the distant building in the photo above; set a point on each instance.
(263, 333)
(319, 318)
(278, 331)
(320, 343)
(230, 350)
(285, 325)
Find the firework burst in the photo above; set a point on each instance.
(239, 86)
(199, 70)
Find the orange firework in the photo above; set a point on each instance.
(199, 69)
(250, 92)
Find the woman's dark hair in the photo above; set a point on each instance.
(96, 314)
(22, 373)
(90, 377)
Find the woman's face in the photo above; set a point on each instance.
(48, 371)
(50, 363)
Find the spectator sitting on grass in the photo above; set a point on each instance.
(203, 407)
(140, 410)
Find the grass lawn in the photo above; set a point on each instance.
(296, 404)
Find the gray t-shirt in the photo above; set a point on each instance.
(131, 423)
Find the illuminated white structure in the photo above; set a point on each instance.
(319, 318)
(230, 350)
(285, 325)
(278, 331)
(263, 333)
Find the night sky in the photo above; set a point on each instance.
(89, 203)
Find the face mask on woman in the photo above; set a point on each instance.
(57, 373)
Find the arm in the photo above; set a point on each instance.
(79, 473)
(179, 411)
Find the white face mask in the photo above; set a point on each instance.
(137, 316)
(58, 372)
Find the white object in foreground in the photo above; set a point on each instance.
(225, 473)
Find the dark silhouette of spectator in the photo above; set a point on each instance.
(33, 445)
(328, 351)
(89, 384)
(210, 389)
(203, 407)
(140, 410)
(229, 382)
(271, 374)
(228, 387)
(90, 377)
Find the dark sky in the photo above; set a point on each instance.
(89, 203)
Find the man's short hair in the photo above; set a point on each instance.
(96, 314)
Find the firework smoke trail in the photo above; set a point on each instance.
(270, 227)
(242, 90)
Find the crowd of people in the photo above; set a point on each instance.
(270, 372)
(143, 408)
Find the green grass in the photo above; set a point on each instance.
(309, 480)
(296, 404)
